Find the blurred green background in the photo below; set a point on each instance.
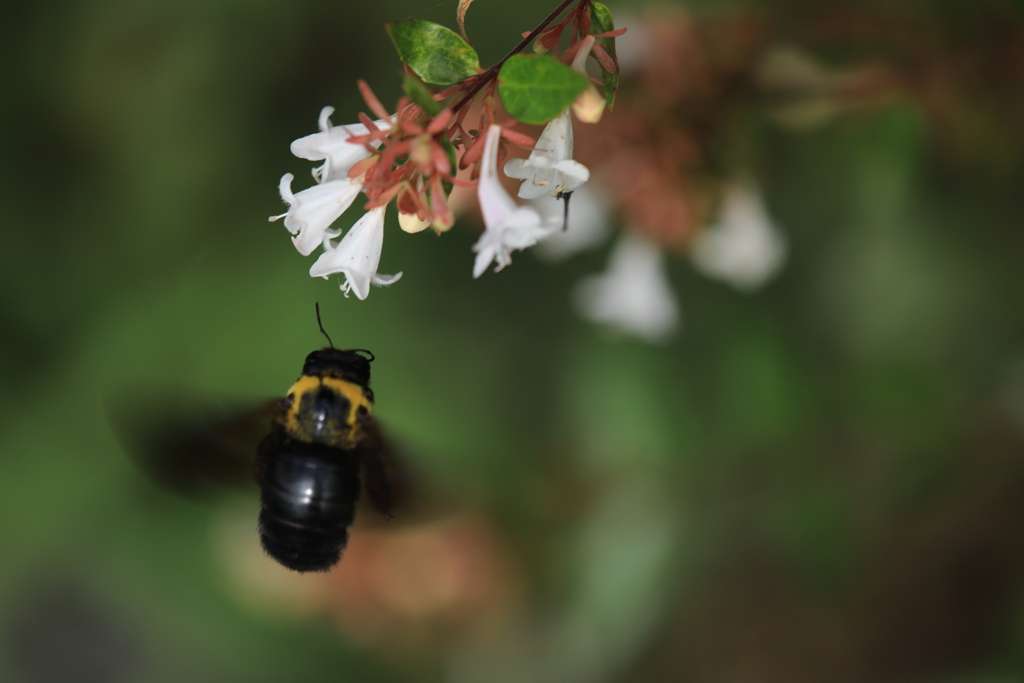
(821, 481)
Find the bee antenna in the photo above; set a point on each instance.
(322, 330)
(367, 352)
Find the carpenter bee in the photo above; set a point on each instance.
(322, 448)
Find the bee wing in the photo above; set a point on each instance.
(399, 494)
(387, 478)
(192, 445)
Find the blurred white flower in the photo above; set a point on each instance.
(357, 256)
(331, 145)
(311, 212)
(508, 226)
(744, 248)
(550, 168)
(588, 224)
(633, 295)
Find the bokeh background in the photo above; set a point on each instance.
(819, 481)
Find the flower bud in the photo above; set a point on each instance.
(589, 105)
(410, 222)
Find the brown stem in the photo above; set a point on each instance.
(483, 79)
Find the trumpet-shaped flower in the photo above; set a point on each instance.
(550, 168)
(744, 248)
(634, 295)
(508, 226)
(332, 146)
(311, 211)
(357, 256)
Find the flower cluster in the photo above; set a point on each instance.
(410, 157)
(648, 161)
(311, 212)
(418, 154)
(407, 162)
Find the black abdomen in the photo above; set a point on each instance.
(307, 505)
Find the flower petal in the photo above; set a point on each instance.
(575, 172)
(357, 256)
(555, 142)
(495, 204)
(385, 280)
(312, 210)
(332, 145)
(538, 186)
(518, 169)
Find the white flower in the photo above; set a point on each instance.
(357, 256)
(744, 248)
(550, 168)
(331, 144)
(508, 227)
(311, 212)
(588, 222)
(634, 295)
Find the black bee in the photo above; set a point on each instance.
(322, 443)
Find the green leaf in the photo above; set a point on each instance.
(434, 53)
(601, 22)
(537, 88)
(421, 95)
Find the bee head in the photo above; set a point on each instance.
(348, 364)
